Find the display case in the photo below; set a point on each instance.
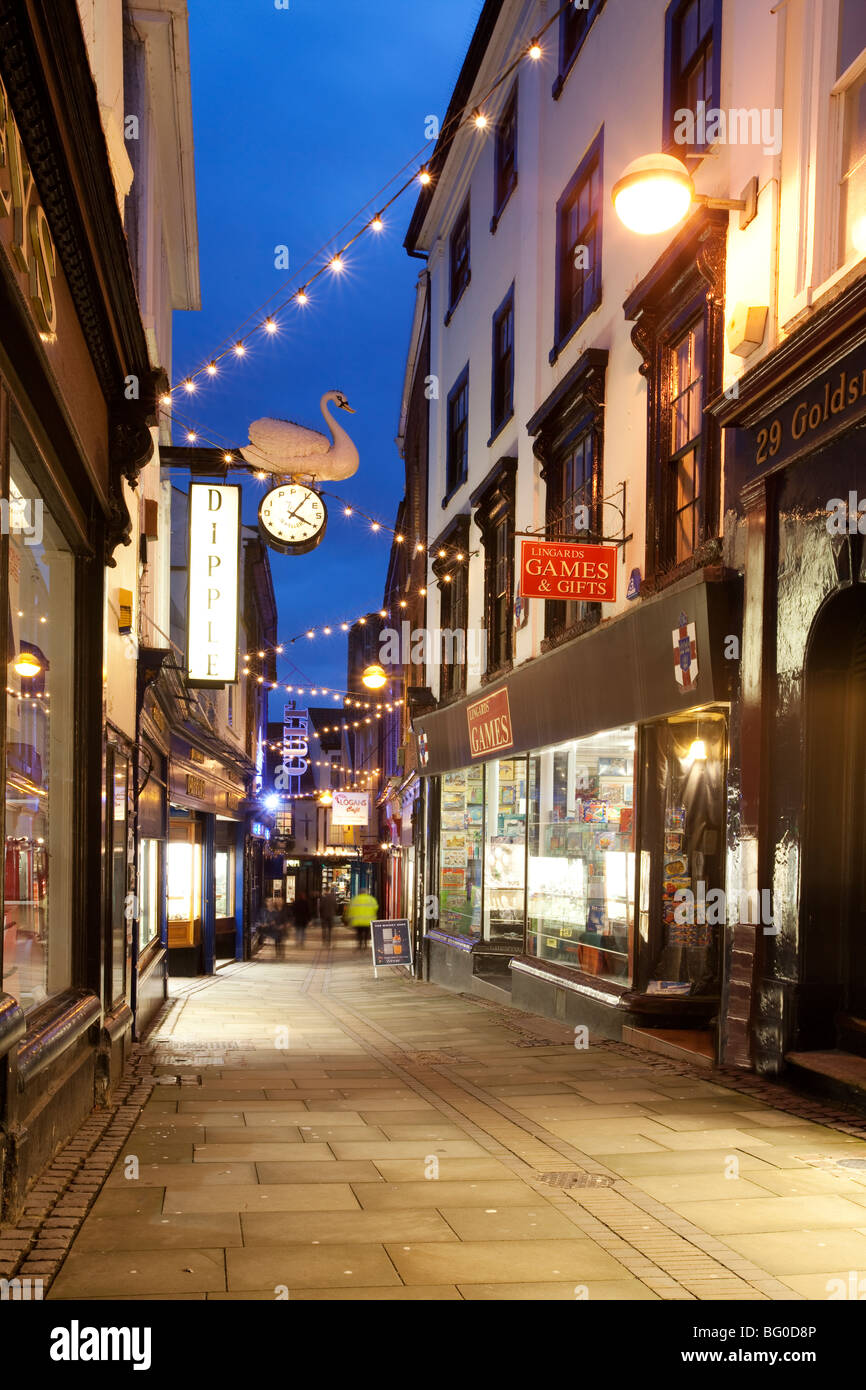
(581, 857)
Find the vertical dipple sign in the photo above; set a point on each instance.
(214, 562)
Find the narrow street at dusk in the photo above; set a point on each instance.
(433, 745)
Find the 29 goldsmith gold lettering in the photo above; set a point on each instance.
(808, 416)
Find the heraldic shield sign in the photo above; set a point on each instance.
(685, 653)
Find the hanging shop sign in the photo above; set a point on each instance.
(563, 570)
(350, 808)
(489, 723)
(214, 564)
(391, 943)
(685, 653)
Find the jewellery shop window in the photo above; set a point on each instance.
(460, 848)
(581, 854)
(39, 747)
(505, 851)
(683, 909)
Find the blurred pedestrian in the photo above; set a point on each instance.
(270, 924)
(362, 910)
(302, 914)
(327, 914)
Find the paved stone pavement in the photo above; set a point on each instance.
(314, 1133)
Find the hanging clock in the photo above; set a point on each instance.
(292, 519)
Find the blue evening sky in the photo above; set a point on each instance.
(300, 116)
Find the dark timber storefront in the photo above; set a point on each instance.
(70, 340)
(570, 803)
(796, 480)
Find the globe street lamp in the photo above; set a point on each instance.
(655, 192)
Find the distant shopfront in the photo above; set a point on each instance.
(572, 802)
(210, 845)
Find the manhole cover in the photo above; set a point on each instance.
(567, 1180)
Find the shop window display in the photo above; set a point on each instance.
(505, 850)
(460, 851)
(581, 858)
(686, 905)
(39, 747)
(149, 854)
(224, 872)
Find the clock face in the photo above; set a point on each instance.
(292, 519)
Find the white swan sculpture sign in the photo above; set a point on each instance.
(288, 450)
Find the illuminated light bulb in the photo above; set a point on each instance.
(337, 264)
(327, 631)
(311, 633)
(261, 655)
(189, 384)
(191, 436)
(261, 476)
(653, 194)
(375, 526)
(377, 224)
(260, 680)
(424, 177)
(402, 603)
(460, 555)
(446, 579)
(27, 665)
(344, 627)
(211, 368)
(374, 677)
(422, 591)
(441, 554)
(698, 751)
(362, 621)
(302, 297)
(279, 649)
(419, 546)
(398, 539)
(535, 50)
(382, 613)
(239, 349)
(227, 458)
(347, 511)
(165, 400)
(480, 119)
(270, 325)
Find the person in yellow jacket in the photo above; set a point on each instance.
(362, 910)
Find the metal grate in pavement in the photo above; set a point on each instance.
(567, 1180)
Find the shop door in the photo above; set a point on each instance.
(832, 1011)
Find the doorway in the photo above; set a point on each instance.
(832, 995)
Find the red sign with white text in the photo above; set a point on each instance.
(569, 571)
(489, 721)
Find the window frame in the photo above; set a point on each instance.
(453, 483)
(497, 421)
(452, 676)
(672, 92)
(495, 502)
(594, 152)
(688, 280)
(501, 196)
(456, 292)
(568, 58)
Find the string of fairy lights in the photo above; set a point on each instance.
(267, 325)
